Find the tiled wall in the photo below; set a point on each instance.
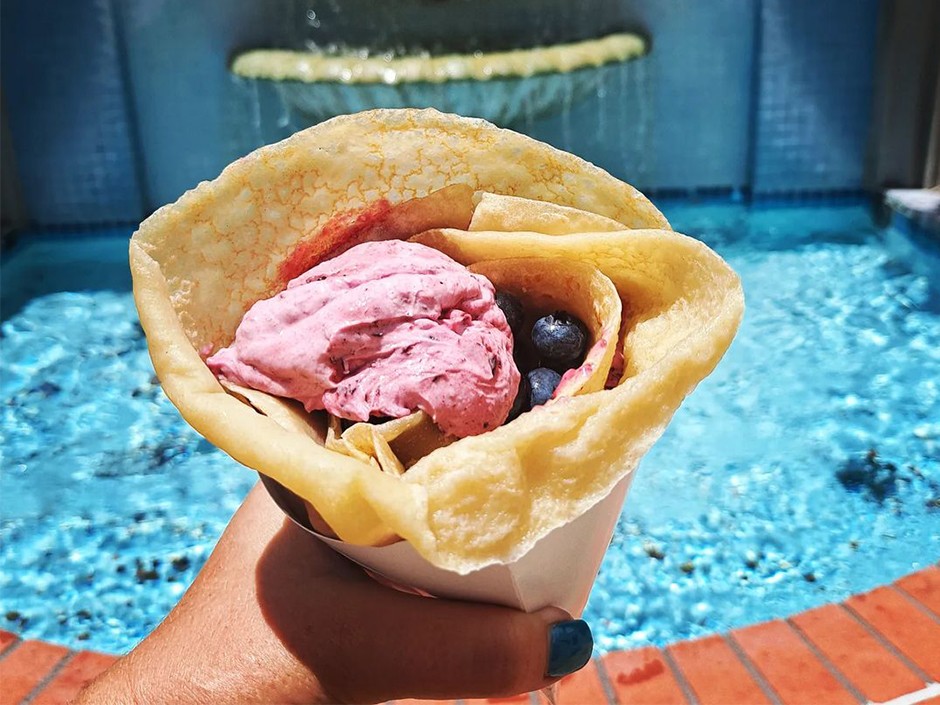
(64, 96)
(118, 106)
(815, 73)
(700, 74)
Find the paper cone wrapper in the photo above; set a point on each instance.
(558, 571)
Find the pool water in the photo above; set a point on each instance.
(806, 468)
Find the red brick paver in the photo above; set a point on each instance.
(24, 667)
(906, 626)
(81, 669)
(715, 673)
(790, 667)
(582, 688)
(7, 639)
(643, 676)
(924, 586)
(869, 666)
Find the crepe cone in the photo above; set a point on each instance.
(520, 514)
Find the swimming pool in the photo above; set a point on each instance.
(803, 470)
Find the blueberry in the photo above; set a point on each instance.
(512, 310)
(521, 402)
(542, 384)
(560, 339)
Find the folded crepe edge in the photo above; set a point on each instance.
(541, 446)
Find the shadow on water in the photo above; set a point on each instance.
(878, 480)
(39, 264)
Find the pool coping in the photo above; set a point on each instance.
(880, 646)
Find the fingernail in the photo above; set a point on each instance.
(570, 647)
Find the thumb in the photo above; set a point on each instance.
(442, 649)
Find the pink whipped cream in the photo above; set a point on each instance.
(384, 329)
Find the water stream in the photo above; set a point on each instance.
(601, 113)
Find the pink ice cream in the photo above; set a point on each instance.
(384, 329)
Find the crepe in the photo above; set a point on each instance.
(200, 263)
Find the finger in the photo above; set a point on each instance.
(368, 643)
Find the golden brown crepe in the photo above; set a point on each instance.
(486, 196)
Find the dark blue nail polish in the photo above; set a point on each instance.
(570, 645)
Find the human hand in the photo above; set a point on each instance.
(276, 616)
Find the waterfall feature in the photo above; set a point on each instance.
(506, 88)
(589, 96)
